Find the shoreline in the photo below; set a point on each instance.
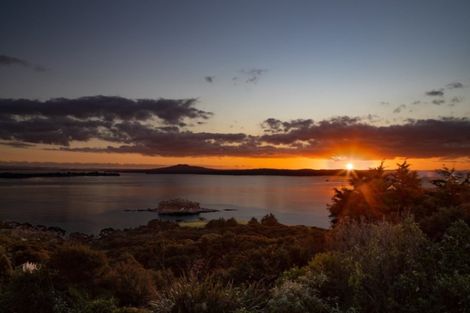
(66, 235)
(23, 175)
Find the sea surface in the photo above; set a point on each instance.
(89, 204)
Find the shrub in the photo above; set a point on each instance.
(454, 249)
(98, 306)
(33, 254)
(29, 293)
(231, 222)
(192, 295)
(269, 220)
(451, 293)
(438, 222)
(296, 297)
(6, 269)
(79, 264)
(371, 268)
(131, 283)
(216, 223)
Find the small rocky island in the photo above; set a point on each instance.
(176, 207)
(179, 207)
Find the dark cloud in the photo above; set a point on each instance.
(438, 101)
(372, 118)
(60, 121)
(250, 76)
(435, 93)
(16, 144)
(455, 85)
(456, 100)
(6, 60)
(105, 108)
(415, 138)
(153, 127)
(55, 130)
(399, 108)
(183, 144)
(272, 125)
(209, 79)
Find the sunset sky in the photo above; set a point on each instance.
(239, 84)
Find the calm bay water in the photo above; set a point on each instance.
(88, 204)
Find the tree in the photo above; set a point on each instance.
(269, 220)
(377, 195)
(363, 200)
(405, 190)
(452, 188)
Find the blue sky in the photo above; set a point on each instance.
(305, 59)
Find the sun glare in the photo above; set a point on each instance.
(349, 166)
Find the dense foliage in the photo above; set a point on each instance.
(396, 245)
(378, 195)
(155, 266)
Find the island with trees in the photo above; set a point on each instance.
(198, 170)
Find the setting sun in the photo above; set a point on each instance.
(349, 166)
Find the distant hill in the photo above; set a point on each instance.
(181, 169)
(188, 169)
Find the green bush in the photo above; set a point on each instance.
(131, 283)
(6, 269)
(371, 267)
(79, 264)
(192, 295)
(30, 293)
(454, 249)
(297, 297)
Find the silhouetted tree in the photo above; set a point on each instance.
(377, 195)
(253, 221)
(404, 190)
(364, 199)
(269, 220)
(452, 188)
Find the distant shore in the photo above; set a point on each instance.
(26, 172)
(23, 175)
(196, 170)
